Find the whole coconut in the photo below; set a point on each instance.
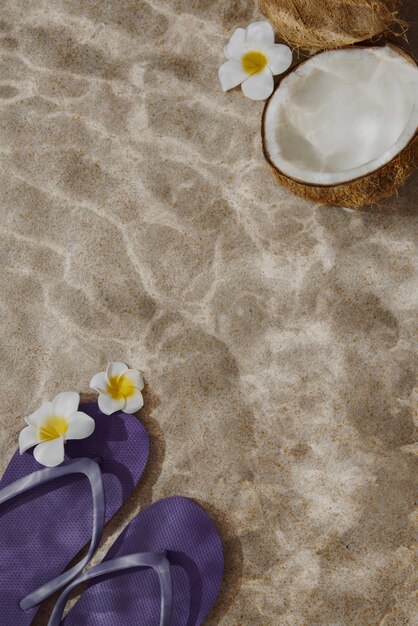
(327, 24)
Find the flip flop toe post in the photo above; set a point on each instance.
(47, 515)
(165, 569)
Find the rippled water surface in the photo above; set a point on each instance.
(139, 222)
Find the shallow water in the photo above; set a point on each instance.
(140, 222)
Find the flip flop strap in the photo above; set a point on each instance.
(91, 470)
(158, 561)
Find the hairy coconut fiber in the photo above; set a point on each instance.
(368, 189)
(327, 24)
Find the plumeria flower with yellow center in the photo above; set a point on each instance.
(51, 425)
(254, 59)
(119, 389)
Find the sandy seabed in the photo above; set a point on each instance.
(139, 222)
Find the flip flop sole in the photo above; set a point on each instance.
(195, 553)
(42, 530)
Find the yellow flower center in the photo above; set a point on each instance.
(254, 62)
(119, 387)
(52, 427)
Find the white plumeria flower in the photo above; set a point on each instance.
(51, 425)
(119, 389)
(253, 60)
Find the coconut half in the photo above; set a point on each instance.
(341, 127)
(329, 24)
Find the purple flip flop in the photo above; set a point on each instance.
(165, 569)
(57, 511)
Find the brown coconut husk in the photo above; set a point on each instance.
(365, 190)
(328, 24)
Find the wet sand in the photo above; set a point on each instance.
(140, 222)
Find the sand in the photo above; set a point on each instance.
(139, 222)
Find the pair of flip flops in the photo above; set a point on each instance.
(164, 569)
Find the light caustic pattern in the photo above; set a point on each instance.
(140, 223)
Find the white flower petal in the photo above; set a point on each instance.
(236, 45)
(50, 453)
(99, 382)
(116, 368)
(279, 57)
(36, 418)
(259, 86)
(136, 378)
(66, 403)
(231, 74)
(109, 405)
(80, 426)
(260, 34)
(28, 438)
(134, 403)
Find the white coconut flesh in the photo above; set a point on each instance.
(342, 114)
